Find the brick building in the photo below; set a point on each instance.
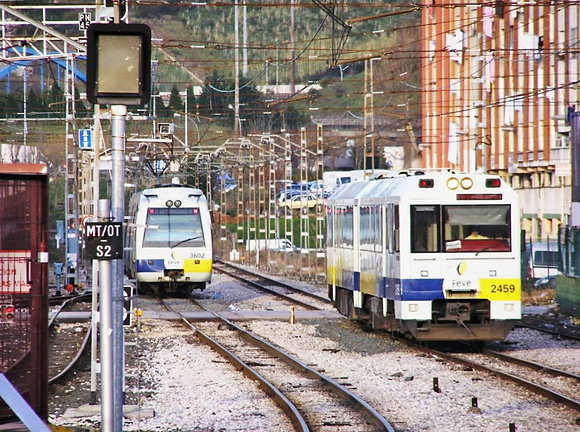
(499, 82)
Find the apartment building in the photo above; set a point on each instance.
(499, 83)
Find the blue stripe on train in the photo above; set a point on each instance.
(412, 289)
(351, 280)
(357, 281)
(143, 266)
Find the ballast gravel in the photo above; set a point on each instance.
(191, 388)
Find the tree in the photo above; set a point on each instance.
(175, 103)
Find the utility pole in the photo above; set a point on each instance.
(237, 128)
(245, 40)
(368, 121)
(292, 63)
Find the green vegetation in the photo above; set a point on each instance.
(296, 229)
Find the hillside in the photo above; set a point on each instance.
(193, 41)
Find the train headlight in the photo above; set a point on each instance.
(168, 203)
(413, 307)
(177, 203)
(452, 183)
(466, 182)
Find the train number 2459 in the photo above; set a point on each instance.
(503, 288)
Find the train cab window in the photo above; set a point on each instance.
(481, 228)
(173, 227)
(425, 228)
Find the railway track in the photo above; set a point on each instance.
(310, 400)
(557, 329)
(280, 289)
(67, 341)
(557, 385)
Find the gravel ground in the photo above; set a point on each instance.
(191, 388)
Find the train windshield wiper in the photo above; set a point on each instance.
(184, 241)
(483, 250)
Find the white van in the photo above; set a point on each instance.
(544, 259)
(280, 245)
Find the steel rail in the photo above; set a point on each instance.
(376, 418)
(272, 281)
(536, 388)
(538, 327)
(75, 360)
(530, 364)
(282, 401)
(87, 337)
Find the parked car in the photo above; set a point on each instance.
(299, 201)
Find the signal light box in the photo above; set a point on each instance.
(118, 64)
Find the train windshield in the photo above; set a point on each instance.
(460, 228)
(173, 227)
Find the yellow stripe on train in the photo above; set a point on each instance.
(197, 265)
(500, 289)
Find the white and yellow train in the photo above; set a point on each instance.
(169, 240)
(435, 255)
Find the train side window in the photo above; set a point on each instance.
(389, 227)
(370, 232)
(330, 228)
(344, 226)
(396, 228)
(377, 221)
(425, 228)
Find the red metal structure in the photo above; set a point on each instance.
(24, 283)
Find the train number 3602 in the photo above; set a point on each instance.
(503, 288)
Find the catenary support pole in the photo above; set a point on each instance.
(118, 120)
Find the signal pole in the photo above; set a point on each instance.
(118, 74)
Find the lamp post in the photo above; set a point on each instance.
(118, 74)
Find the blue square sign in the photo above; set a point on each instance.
(85, 139)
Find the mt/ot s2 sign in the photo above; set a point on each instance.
(104, 240)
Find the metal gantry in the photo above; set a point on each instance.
(72, 244)
(368, 121)
(320, 207)
(29, 37)
(288, 228)
(273, 227)
(304, 198)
